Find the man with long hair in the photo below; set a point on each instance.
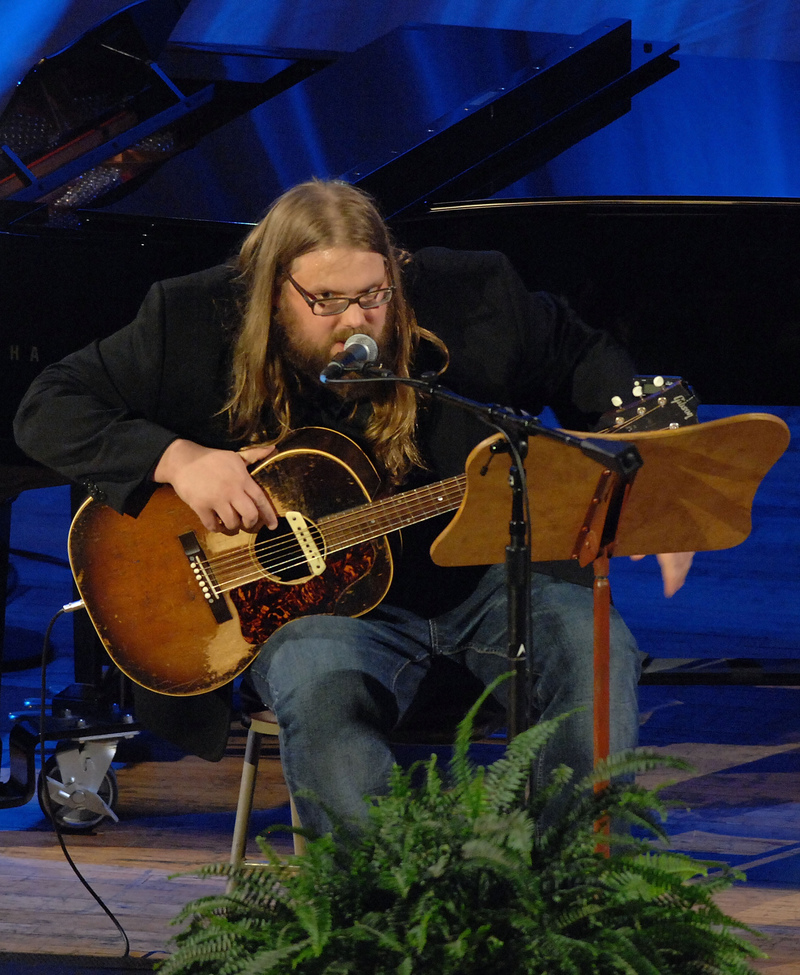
(220, 367)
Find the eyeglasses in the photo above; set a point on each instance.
(336, 306)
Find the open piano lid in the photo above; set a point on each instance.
(425, 112)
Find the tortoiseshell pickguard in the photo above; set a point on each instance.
(264, 606)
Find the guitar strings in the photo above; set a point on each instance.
(287, 545)
(341, 531)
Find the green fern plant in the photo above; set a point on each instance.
(453, 878)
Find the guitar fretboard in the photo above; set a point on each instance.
(362, 524)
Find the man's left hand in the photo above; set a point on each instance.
(674, 569)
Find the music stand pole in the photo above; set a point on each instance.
(618, 490)
(518, 584)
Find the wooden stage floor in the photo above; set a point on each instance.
(178, 815)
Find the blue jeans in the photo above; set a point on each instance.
(339, 686)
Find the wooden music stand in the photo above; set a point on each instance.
(693, 493)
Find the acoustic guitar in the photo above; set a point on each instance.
(182, 610)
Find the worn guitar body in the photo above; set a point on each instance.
(145, 590)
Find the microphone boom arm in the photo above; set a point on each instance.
(620, 457)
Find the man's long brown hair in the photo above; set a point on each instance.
(311, 216)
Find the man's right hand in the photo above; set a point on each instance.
(217, 485)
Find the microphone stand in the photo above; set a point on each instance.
(619, 457)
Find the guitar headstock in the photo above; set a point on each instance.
(659, 403)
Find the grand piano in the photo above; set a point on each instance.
(124, 159)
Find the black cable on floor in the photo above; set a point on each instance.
(69, 608)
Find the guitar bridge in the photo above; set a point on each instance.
(205, 578)
(304, 538)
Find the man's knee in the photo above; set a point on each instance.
(306, 651)
(343, 699)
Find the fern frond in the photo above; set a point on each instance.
(508, 778)
(461, 767)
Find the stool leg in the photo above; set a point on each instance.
(247, 787)
(299, 841)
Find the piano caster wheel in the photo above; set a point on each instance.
(76, 808)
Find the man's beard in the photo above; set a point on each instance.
(308, 360)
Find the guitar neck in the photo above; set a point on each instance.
(366, 522)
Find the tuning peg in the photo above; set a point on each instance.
(658, 381)
(616, 401)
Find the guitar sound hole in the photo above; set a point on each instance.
(281, 555)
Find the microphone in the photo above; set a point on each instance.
(359, 351)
